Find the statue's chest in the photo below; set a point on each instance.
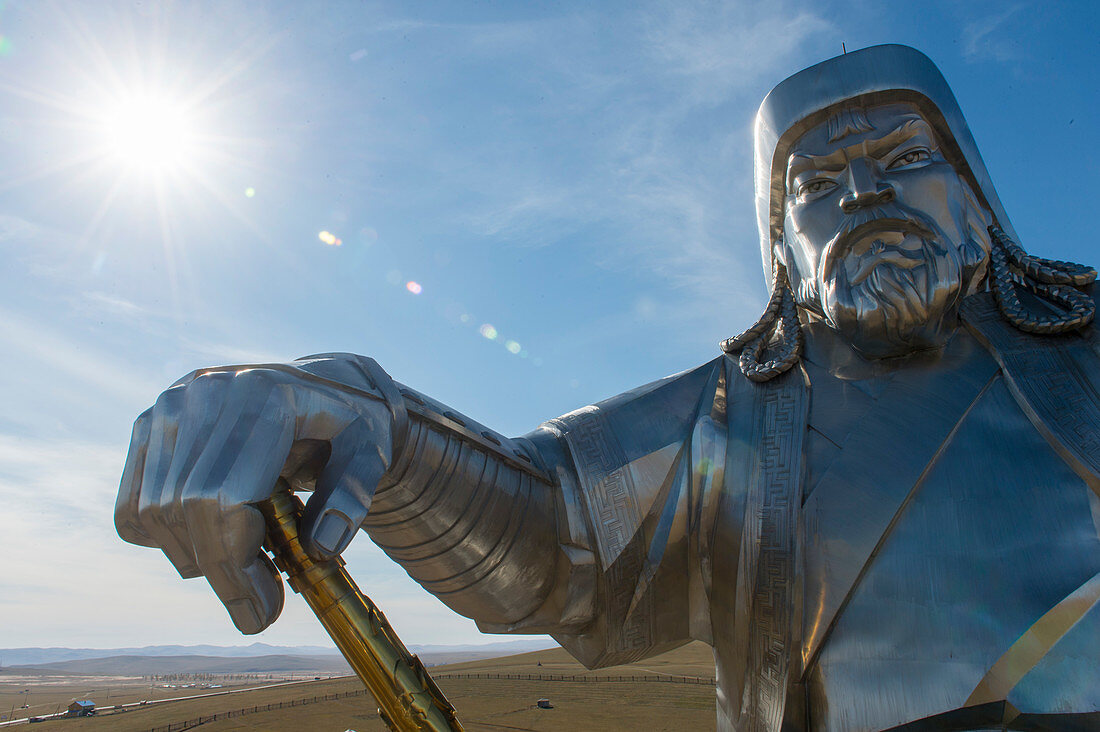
(986, 531)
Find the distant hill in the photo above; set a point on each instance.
(29, 656)
(141, 665)
(254, 658)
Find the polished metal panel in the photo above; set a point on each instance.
(899, 529)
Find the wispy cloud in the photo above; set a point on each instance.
(108, 303)
(721, 49)
(225, 353)
(37, 347)
(982, 40)
(673, 179)
(17, 228)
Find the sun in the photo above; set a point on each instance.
(148, 121)
(150, 133)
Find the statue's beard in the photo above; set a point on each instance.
(890, 282)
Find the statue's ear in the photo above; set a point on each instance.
(781, 253)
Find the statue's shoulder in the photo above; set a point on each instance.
(1054, 378)
(655, 413)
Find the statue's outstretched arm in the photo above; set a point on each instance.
(466, 511)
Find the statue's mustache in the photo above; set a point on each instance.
(858, 226)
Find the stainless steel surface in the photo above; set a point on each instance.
(877, 75)
(901, 528)
(882, 236)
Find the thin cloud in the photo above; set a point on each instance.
(36, 346)
(119, 306)
(676, 187)
(16, 228)
(981, 40)
(208, 352)
(722, 49)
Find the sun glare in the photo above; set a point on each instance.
(150, 121)
(149, 133)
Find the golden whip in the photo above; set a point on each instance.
(408, 698)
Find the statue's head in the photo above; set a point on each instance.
(875, 209)
(881, 234)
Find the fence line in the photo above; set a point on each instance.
(188, 724)
(701, 680)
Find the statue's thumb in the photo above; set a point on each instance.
(342, 498)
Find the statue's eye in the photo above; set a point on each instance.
(919, 155)
(817, 185)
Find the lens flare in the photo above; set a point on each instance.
(249, 192)
(329, 238)
(512, 347)
(414, 287)
(488, 331)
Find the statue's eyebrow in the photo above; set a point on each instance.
(879, 147)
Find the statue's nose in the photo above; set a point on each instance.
(864, 187)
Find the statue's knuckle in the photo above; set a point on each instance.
(126, 514)
(149, 514)
(211, 378)
(260, 380)
(203, 505)
(168, 401)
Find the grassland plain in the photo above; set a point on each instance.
(52, 693)
(483, 704)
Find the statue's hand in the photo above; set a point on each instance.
(214, 445)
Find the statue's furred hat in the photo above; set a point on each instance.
(875, 75)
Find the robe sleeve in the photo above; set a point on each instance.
(628, 513)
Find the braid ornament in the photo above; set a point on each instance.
(778, 327)
(1050, 280)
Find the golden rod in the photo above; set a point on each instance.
(408, 698)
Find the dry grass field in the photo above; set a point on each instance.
(49, 694)
(483, 704)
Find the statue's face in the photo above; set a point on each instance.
(881, 236)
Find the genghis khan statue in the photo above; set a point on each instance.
(879, 506)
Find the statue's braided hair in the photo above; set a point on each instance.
(1052, 282)
(778, 328)
(1047, 279)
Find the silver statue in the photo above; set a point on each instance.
(880, 506)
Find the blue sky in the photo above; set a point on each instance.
(576, 175)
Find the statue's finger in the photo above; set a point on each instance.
(247, 448)
(227, 541)
(157, 512)
(345, 487)
(126, 505)
(253, 594)
(198, 413)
